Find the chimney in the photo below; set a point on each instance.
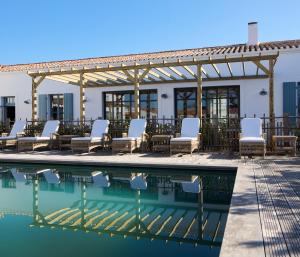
(252, 33)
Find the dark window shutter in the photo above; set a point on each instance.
(289, 100)
(43, 107)
(68, 107)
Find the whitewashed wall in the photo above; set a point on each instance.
(251, 102)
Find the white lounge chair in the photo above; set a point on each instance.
(252, 139)
(45, 140)
(137, 180)
(189, 138)
(100, 179)
(189, 183)
(50, 175)
(18, 176)
(136, 136)
(98, 138)
(16, 132)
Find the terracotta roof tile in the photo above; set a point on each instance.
(217, 50)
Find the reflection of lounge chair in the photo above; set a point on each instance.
(136, 135)
(45, 140)
(18, 176)
(50, 176)
(252, 139)
(137, 180)
(97, 138)
(100, 179)
(16, 132)
(189, 183)
(189, 138)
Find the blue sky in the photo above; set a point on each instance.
(45, 30)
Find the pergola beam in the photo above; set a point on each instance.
(204, 72)
(136, 93)
(177, 72)
(216, 69)
(199, 91)
(59, 79)
(271, 97)
(82, 99)
(189, 70)
(34, 87)
(157, 65)
(262, 67)
(194, 80)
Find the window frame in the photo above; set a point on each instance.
(58, 111)
(204, 93)
(131, 93)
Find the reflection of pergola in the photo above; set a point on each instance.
(137, 70)
(182, 224)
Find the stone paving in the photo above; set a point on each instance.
(265, 209)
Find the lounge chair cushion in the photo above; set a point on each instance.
(126, 139)
(252, 140)
(18, 127)
(190, 127)
(183, 139)
(137, 128)
(251, 127)
(100, 127)
(7, 138)
(90, 139)
(51, 127)
(34, 139)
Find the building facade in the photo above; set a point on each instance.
(222, 97)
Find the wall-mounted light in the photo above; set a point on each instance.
(263, 92)
(27, 101)
(165, 96)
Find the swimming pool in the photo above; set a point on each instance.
(104, 211)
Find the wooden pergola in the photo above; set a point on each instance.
(161, 71)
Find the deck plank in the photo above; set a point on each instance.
(279, 207)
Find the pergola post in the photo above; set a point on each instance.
(33, 101)
(136, 94)
(199, 91)
(34, 87)
(82, 99)
(271, 97)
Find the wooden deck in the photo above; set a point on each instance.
(278, 191)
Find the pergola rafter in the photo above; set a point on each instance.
(158, 72)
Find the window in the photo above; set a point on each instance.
(120, 105)
(56, 107)
(217, 102)
(186, 102)
(8, 110)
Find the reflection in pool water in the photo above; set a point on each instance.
(69, 211)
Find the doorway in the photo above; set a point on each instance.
(8, 109)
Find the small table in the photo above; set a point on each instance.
(64, 141)
(161, 143)
(284, 144)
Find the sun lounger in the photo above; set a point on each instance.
(137, 180)
(100, 179)
(189, 138)
(51, 176)
(189, 183)
(252, 139)
(97, 138)
(45, 140)
(16, 132)
(18, 176)
(136, 136)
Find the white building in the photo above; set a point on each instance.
(235, 81)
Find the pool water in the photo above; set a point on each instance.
(101, 211)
